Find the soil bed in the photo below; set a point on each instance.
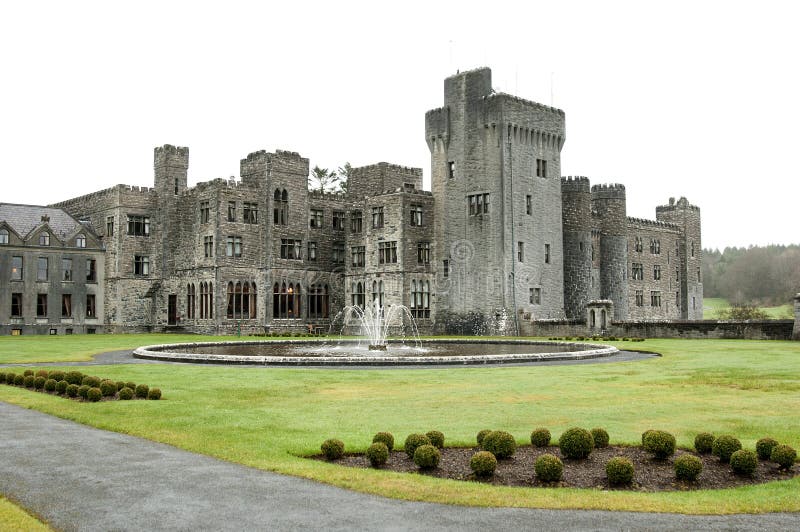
(650, 474)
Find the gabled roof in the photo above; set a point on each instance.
(24, 219)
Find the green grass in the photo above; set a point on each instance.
(268, 418)
(712, 306)
(12, 517)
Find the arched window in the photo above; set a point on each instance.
(603, 319)
(286, 301)
(190, 301)
(210, 301)
(280, 209)
(358, 295)
(318, 301)
(3, 236)
(203, 296)
(592, 319)
(421, 299)
(241, 300)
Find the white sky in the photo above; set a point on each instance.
(698, 99)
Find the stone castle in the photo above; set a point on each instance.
(501, 234)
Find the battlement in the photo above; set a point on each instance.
(316, 194)
(383, 166)
(171, 155)
(652, 223)
(681, 204)
(575, 184)
(608, 191)
(259, 155)
(288, 154)
(527, 103)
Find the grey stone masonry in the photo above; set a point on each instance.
(796, 330)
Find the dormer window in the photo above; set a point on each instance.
(3, 236)
(44, 239)
(80, 241)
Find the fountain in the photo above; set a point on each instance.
(374, 322)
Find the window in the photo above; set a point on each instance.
(377, 293)
(109, 226)
(190, 301)
(16, 305)
(91, 270)
(637, 271)
(677, 275)
(639, 295)
(44, 239)
(137, 225)
(339, 218)
(446, 268)
(451, 169)
(312, 251)
(357, 296)
(356, 225)
(657, 272)
(206, 301)
(592, 252)
(655, 246)
(280, 208)
(205, 212)
(80, 240)
(241, 300)
(3, 236)
(357, 254)
(338, 253)
(141, 265)
(547, 253)
(637, 244)
(231, 211)
(478, 204)
(250, 213)
(318, 301)
(698, 275)
(528, 205)
(521, 251)
(387, 252)
(208, 246)
(541, 168)
(66, 270)
(416, 215)
(233, 246)
(290, 249)
(377, 217)
(16, 268)
(655, 298)
(41, 269)
(423, 252)
(316, 218)
(692, 249)
(286, 301)
(91, 309)
(177, 186)
(41, 305)
(66, 305)
(536, 296)
(420, 299)
(678, 300)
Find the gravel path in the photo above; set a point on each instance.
(80, 478)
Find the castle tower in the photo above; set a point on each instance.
(576, 204)
(609, 204)
(689, 254)
(170, 166)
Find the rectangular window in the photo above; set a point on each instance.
(678, 300)
(639, 298)
(312, 251)
(41, 269)
(233, 246)
(315, 219)
(205, 212)
(420, 303)
(280, 212)
(547, 253)
(637, 244)
(231, 211)
(416, 215)
(44, 239)
(478, 204)
(357, 254)
(41, 305)
(655, 298)
(16, 305)
(138, 225)
(451, 169)
(250, 212)
(339, 218)
(91, 309)
(423, 252)
(66, 305)
(66, 270)
(521, 251)
(16, 268)
(637, 271)
(536, 296)
(541, 168)
(141, 265)
(377, 217)
(338, 253)
(91, 270)
(698, 275)
(446, 268)
(655, 246)
(657, 272)
(387, 252)
(290, 249)
(528, 205)
(208, 246)
(356, 222)
(109, 226)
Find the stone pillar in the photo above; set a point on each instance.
(796, 331)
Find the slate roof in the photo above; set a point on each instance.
(25, 218)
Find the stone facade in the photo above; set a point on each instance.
(796, 330)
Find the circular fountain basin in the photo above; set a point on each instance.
(330, 353)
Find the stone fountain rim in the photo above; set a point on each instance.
(162, 352)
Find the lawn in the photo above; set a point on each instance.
(12, 517)
(712, 306)
(269, 417)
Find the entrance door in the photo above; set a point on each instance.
(172, 310)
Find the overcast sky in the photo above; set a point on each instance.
(696, 99)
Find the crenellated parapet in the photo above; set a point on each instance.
(680, 205)
(608, 191)
(641, 222)
(575, 184)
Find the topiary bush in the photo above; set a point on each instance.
(94, 394)
(540, 437)
(500, 443)
(688, 467)
(377, 454)
(548, 468)
(19, 380)
(784, 456)
(126, 394)
(483, 464)
(600, 438)
(61, 387)
(660, 443)
(427, 456)
(50, 385)
(436, 438)
(764, 447)
(27, 372)
(644, 435)
(2, 377)
(131, 385)
(481, 435)
(120, 385)
(619, 471)
(154, 394)
(10, 376)
(74, 377)
(385, 438)
(42, 373)
(703, 442)
(576, 443)
(38, 382)
(333, 449)
(108, 388)
(744, 462)
(141, 391)
(82, 390)
(724, 447)
(92, 382)
(72, 390)
(29, 381)
(57, 375)
(413, 441)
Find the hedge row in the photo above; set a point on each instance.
(76, 385)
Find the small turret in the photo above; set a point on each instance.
(609, 205)
(170, 167)
(576, 214)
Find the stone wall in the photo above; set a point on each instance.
(796, 331)
(702, 329)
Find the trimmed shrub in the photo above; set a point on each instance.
(131, 385)
(548, 468)
(29, 381)
(10, 376)
(82, 390)
(660, 443)
(94, 394)
(27, 372)
(784, 456)
(50, 385)
(72, 390)
(126, 394)
(120, 385)
(500, 443)
(413, 441)
(744, 462)
(764, 447)
(576, 443)
(703, 442)
(427, 456)
(38, 382)
(724, 447)
(61, 387)
(436, 437)
(92, 382)
(385, 438)
(42, 373)
(688, 467)
(481, 435)
(2, 377)
(377, 454)
(19, 380)
(483, 464)
(108, 388)
(619, 471)
(333, 449)
(141, 390)
(644, 435)
(600, 437)
(154, 394)
(74, 377)
(540, 437)
(57, 375)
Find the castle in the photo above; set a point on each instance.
(501, 233)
